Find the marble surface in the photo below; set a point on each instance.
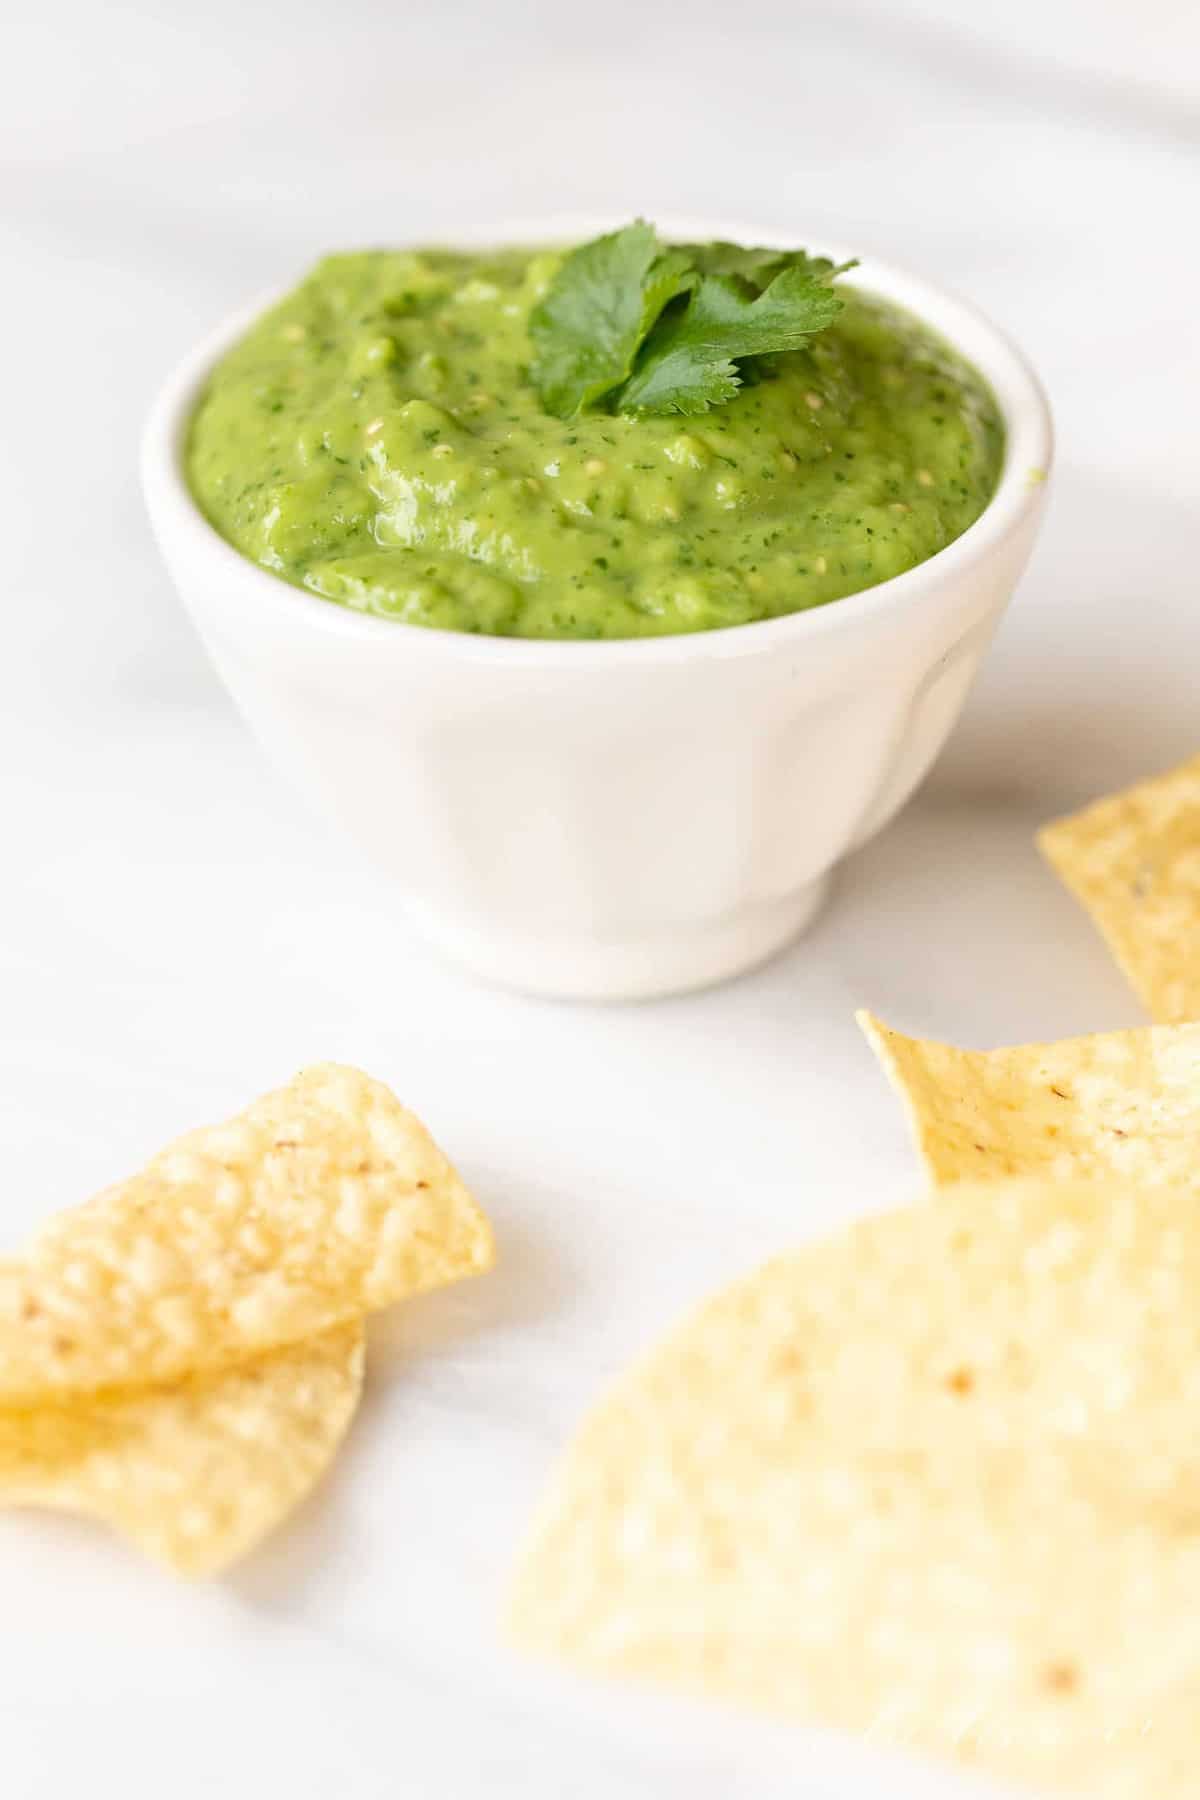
(176, 933)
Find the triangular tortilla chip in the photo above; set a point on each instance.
(319, 1203)
(1134, 862)
(937, 1480)
(197, 1473)
(1121, 1102)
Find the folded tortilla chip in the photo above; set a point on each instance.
(1121, 1102)
(319, 1203)
(1134, 861)
(194, 1474)
(937, 1480)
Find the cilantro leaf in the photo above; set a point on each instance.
(605, 298)
(687, 363)
(640, 327)
(757, 266)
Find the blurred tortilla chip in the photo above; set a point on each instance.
(1121, 1102)
(1133, 860)
(319, 1203)
(194, 1474)
(936, 1480)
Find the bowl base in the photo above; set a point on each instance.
(627, 969)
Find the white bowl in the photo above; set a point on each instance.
(614, 819)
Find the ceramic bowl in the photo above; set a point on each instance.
(614, 819)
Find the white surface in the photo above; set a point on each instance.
(177, 933)
(613, 821)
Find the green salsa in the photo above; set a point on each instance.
(375, 439)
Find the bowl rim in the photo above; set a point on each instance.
(1028, 457)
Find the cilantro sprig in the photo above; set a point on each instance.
(636, 326)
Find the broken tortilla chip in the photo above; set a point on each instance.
(1121, 1103)
(1133, 860)
(320, 1202)
(194, 1474)
(936, 1480)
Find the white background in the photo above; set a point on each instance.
(176, 934)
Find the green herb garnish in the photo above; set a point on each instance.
(599, 308)
(641, 327)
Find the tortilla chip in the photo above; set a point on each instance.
(936, 1479)
(1121, 1103)
(321, 1202)
(1134, 862)
(197, 1473)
